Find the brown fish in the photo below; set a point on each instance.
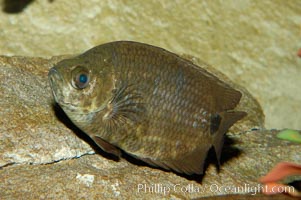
(149, 102)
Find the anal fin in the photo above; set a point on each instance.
(107, 147)
(220, 123)
(192, 163)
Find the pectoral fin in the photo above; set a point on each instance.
(107, 147)
(126, 107)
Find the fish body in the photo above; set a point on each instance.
(149, 102)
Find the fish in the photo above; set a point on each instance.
(147, 102)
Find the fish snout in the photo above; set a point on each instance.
(56, 82)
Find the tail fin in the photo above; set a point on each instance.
(220, 123)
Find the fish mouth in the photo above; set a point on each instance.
(55, 81)
(56, 84)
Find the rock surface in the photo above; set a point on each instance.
(28, 124)
(42, 155)
(31, 115)
(252, 42)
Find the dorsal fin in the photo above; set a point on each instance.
(227, 98)
(220, 123)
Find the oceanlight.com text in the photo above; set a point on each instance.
(165, 189)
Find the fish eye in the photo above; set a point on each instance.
(80, 78)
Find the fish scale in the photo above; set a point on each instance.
(151, 103)
(165, 111)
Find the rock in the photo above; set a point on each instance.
(29, 130)
(42, 155)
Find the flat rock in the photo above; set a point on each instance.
(29, 128)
